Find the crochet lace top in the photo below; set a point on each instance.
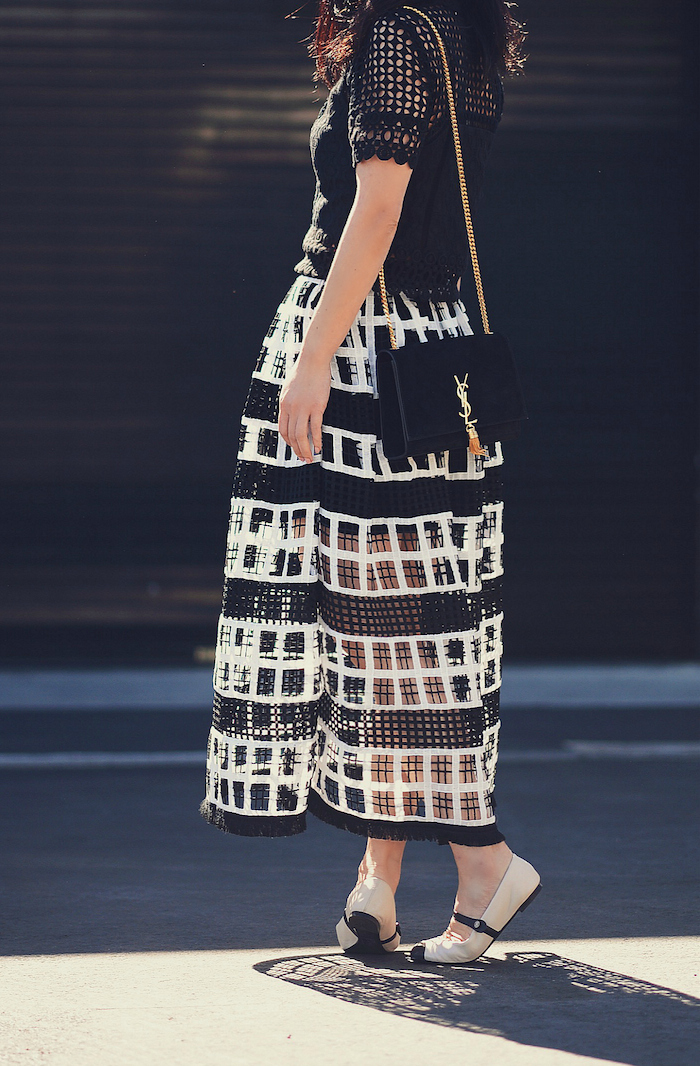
(391, 102)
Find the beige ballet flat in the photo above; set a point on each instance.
(368, 925)
(519, 886)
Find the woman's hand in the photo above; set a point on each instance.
(303, 400)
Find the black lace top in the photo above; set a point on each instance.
(391, 101)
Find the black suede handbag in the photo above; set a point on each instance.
(431, 392)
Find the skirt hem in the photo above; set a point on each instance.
(383, 829)
(247, 826)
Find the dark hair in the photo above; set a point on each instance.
(342, 24)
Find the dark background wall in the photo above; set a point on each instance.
(155, 188)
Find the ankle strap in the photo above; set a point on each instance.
(393, 936)
(476, 923)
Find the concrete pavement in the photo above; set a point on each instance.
(528, 1003)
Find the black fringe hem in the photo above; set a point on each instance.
(251, 826)
(381, 829)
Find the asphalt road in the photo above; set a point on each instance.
(126, 919)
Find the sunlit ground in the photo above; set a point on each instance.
(527, 1002)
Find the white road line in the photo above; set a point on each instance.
(108, 760)
(631, 749)
(555, 686)
(99, 760)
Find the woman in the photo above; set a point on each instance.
(358, 655)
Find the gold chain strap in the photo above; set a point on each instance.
(462, 188)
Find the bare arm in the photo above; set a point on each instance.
(366, 239)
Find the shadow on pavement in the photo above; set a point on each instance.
(535, 998)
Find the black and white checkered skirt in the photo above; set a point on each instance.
(358, 653)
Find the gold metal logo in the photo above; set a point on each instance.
(466, 412)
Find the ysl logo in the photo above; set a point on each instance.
(465, 413)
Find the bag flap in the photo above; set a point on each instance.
(425, 379)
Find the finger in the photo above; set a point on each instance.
(316, 422)
(283, 425)
(282, 422)
(293, 442)
(303, 438)
(303, 448)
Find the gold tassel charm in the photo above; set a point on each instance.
(474, 443)
(469, 423)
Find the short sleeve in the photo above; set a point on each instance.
(391, 92)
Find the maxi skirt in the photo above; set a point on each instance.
(358, 655)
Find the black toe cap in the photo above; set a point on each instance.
(418, 953)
